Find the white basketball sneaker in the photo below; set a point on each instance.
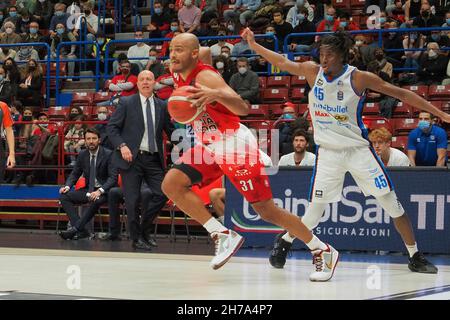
(227, 243)
(325, 262)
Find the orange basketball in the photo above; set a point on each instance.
(180, 107)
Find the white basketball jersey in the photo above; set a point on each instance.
(336, 111)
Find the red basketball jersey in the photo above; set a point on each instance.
(217, 117)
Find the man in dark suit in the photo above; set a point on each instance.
(136, 132)
(94, 163)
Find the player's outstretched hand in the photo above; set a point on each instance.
(201, 96)
(248, 35)
(446, 118)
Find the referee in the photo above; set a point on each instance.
(6, 130)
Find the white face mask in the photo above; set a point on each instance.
(432, 53)
(226, 55)
(187, 2)
(242, 70)
(359, 43)
(9, 30)
(220, 65)
(102, 116)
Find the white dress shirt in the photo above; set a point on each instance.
(144, 142)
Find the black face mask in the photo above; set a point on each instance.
(379, 57)
(87, 12)
(72, 116)
(27, 118)
(32, 68)
(426, 14)
(7, 67)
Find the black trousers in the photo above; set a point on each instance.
(71, 199)
(116, 197)
(2, 160)
(149, 168)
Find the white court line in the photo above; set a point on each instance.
(435, 296)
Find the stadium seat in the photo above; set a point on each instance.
(372, 123)
(297, 94)
(402, 127)
(420, 90)
(371, 108)
(82, 98)
(402, 110)
(341, 4)
(302, 108)
(57, 113)
(439, 92)
(400, 142)
(102, 96)
(258, 111)
(262, 82)
(415, 112)
(278, 81)
(298, 81)
(278, 95)
(302, 58)
(357, 3)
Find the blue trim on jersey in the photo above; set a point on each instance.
(383, 168)
(313, 178)
(338, 76)
(351, 83)
(359, 111)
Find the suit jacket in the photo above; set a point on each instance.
(105, 173)
(126, 125)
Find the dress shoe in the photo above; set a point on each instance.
(151, 241)
(68, 234)
(110, 237)
(141, 244)
(81, 235)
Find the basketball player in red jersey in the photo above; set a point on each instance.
(222, 135)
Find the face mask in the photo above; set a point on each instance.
(59, 13)
(31, 67)
(152, 58)
(413, 37)
(44, 125)
(101, 41)
(392, 34)
(7, 66)
(226, 55)
(329, 18)
(242, 70)
(301, 17)
(220, 65)
(432, 54)
(27, 118)
(287, 116)
(1, 18)
(448, 22)
(9, 30)
(1, 77)
(187, 3)
(426, 14)
(436, 37)
(359, 42)
(382, 20)
(343, 24)
(300, 2)
(174, 28)
(379, 57)
(73, 116)
(423, 125)
(25, 20)
(102, 116)
(33, 30)
(270, 33)
(13, 14)
(230, 27)
(87, 12)
(60, 31)
(158, 10)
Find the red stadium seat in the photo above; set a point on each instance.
(278, 81)
(420, 90)
(400, 142)
(357, 3)
(341, 4)
(298, 81)
(57, 113)
(439, 92)
(82, 98)
(415, 112)
(258, 111)
(278, 95)
(373, 123)
(297, 94)
(302, 58)
(402, 127)
(371, 108)
(402, 110)
(262, 82)
(102, 96)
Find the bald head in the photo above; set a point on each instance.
(184, 52)
(145, 83)
(187, 39)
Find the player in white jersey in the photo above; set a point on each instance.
(335, 103)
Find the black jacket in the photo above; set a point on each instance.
(106, 173)
(126, 125)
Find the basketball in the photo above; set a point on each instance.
(180, 107)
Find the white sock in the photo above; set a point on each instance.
(315, 243)
(212, 225)
(221, 219)
(287, 237)
(412, 249)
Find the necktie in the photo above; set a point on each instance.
(150, 129)
(92, 174)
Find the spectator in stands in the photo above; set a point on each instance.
(59, 17)
(393, 40)
(216, 48)
(66, 52)
(285, 128)
(43, 13)
(259, 64)
(103, 114)
(189, 16)
(432, 65)
(5, 53)
(86, 21)
(300, 157)
(124, 84)
(385, 66)
(24, 134)
(300, 12)
(269, 42)
(74, 112)
(164, 85)
(328, 22)
(174, 29)
(302, 44)
(242, 48)
(396, 11)
(95, 164)
(343, 23)
(440, 38)
(13, 16)
(74, 140)
(102, 41)
(25, 54)
(45, 127)
(282, 28)
(29, 91)
(244, 9)
(245, 82)
(138, 53)
(427, 144)
(413, 41)
(226, 53)
(160, 23)
(446, 24)
(221, 64)
(366, 51)
(426, 19)
(5, 87)
(412, 10)
(154, 64)
(354, 59)
(209, 11)
(232, 30)
(381, 140)
(10, 36)
(24, 21)
(33, 35)
(12, 74)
